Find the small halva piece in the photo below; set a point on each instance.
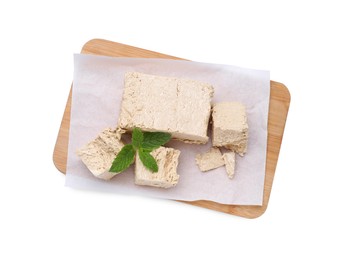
(229, 159)
(99, 154)
(230, 128)
(177, 106)
(166, 177)
(210, 160)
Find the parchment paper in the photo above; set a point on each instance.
(96, 98)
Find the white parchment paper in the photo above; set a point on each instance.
(96, 98)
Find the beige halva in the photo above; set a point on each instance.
(166, 177)
(230, 129)
(99, 153)
(181, 107)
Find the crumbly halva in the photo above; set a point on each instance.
(178, 106)
(166, 177)
(230, 128)
(99, 154)
(210, 160)
(229, 160)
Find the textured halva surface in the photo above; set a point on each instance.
(166, 177)
(230, 128)
(210, 160)
(229, 159)
(179, 106)
(99, 153)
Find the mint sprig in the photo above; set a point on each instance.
(142, 144)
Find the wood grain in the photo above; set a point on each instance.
(278, 109)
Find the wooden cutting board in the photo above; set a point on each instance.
(278, 109)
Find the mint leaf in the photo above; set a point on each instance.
(137, 138)
(124, 159)
(153, 140)
(148, 160)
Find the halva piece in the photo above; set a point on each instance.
(99, 154)
(178, 106)
(166, 177)
(230, 128)
(212, 159)
(229, 159)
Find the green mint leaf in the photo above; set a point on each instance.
(148, 160)
(124, 159)
(137, 137)
(153, 140)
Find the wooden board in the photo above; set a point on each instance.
(278, 109)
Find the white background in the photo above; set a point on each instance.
(41, 219)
